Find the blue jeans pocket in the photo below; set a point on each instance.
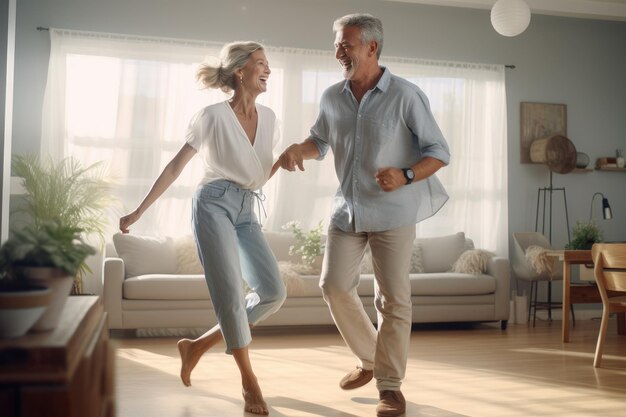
(213, 191)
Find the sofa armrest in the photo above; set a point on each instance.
(500, 269)
(112, 282)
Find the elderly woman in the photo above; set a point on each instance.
(235, 139)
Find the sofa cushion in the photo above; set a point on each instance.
(416, 260)
(280, 243)
(440, 253)
(451, 283)
(144, 255)
(166, 287)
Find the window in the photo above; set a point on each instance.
(127, 100)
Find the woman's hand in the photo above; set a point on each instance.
(127, 220)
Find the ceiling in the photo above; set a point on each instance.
(590, 9)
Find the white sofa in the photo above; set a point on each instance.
(148, 285)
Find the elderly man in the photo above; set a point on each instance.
(386, 146)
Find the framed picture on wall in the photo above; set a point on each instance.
(538, 121)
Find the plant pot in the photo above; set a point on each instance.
(317, 263)
(59, 282)
(21, 305)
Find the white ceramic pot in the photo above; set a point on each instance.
(20, 308)
(60, 283)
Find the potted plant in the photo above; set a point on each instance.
(48, 254)
(308, 244)
(21, 305)
(584, 236)
(65, 192)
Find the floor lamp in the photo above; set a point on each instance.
(544, 195)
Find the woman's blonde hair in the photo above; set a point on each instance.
(221, 72)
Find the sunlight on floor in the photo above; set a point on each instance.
(452, 372)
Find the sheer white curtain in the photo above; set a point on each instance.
(469, 104)
(127, 100)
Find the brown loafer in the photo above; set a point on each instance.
(391, 404)
(356, 378)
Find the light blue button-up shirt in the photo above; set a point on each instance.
(391, 127)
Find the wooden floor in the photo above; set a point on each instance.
(452, 371)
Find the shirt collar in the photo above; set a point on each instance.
(382, 84)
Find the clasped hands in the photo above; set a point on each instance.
(388, 179)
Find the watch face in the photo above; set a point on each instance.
(408, 174)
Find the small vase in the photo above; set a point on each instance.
(21, 305)
(60, 283)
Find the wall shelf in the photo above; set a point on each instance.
(601, 165)
(582, 170)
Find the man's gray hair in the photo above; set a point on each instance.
(371, 28)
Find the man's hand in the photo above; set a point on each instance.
(390, 179)
(292, 157)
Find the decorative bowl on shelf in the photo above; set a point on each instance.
(582, 160)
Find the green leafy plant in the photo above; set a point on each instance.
(309, 244)
(584, 235)
(47, 244)
(65, 192)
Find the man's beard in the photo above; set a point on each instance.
(348, 73)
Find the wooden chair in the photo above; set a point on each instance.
(610, 272)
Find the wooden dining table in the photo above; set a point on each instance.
(579, 293)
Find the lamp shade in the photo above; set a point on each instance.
(510, 17)
(607, 214)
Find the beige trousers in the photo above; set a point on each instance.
(384, 349)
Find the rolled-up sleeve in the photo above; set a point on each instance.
(423, 124)
(319, 134)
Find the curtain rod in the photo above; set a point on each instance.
(41, 28)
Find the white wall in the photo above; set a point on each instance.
(578, 62)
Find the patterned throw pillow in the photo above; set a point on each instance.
(473, 261)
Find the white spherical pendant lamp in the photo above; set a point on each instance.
(510, 17)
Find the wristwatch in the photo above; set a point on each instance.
(409, 175)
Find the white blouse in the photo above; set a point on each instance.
(226, 151)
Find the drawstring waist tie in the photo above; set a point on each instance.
(260, 198)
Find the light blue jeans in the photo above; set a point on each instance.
(232, 250)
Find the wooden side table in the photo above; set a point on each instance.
(66, 372)
(579, 294)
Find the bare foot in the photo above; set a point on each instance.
(253, 401)
(189, 359)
